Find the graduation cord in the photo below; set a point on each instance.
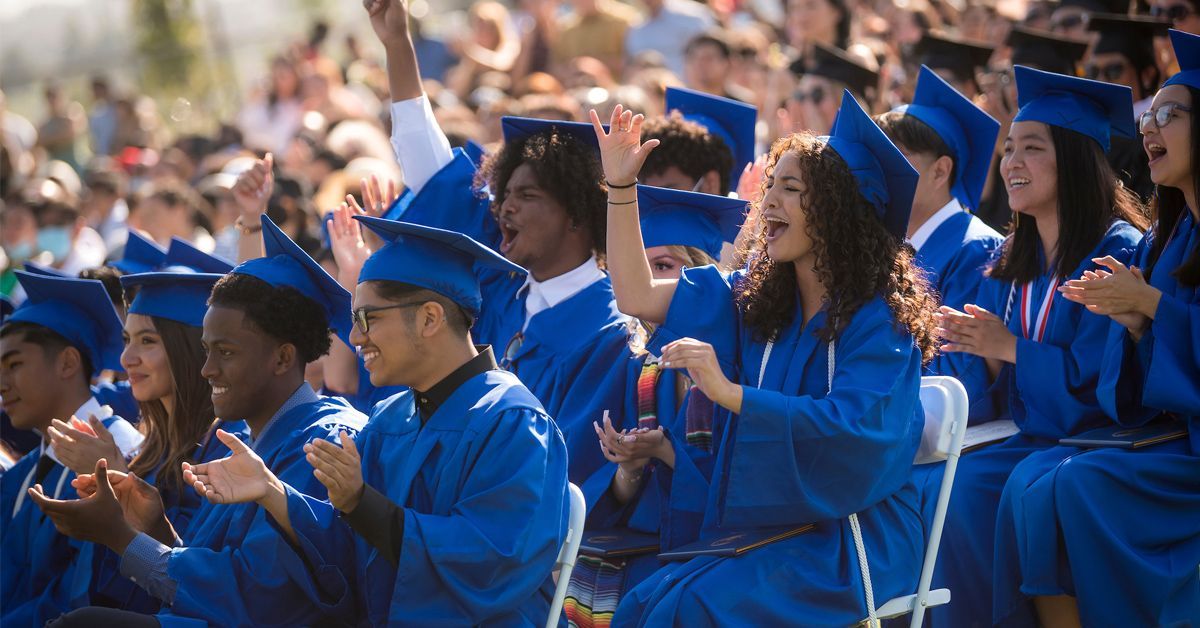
(855, 529)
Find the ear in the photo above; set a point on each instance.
(431, 319)
(69, 364)
(942, 168)
(286, 357)
(710, 183)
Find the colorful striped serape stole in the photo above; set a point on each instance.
(594, 592)
(699, 419)
(647, 393)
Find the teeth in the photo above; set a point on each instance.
(220, 390)
(1016, 181)
(1157, 148)
(368, 356)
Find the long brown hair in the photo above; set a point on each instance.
(1090, 199)
(171, 441)
(857, 259)
(1169, 206)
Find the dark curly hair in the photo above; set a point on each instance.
(687, 146)
(280, 312)
(111, 278)
(856, 258)
(566, 168)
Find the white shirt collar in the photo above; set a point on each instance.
(544, 295)
(947, 212)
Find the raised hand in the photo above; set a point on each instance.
(377, 202)
(621, 149)
(241, 477)
(253, 190)
(79, 445)
(700, 361)
(339, 469)
(978, 332)
(389, 18)
(98, 518)
(350, 250)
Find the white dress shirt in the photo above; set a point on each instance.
(926, 230)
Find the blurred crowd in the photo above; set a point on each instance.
(78, 175)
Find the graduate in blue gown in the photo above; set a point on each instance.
(451, 505)
(708, 141)
(1038, 355)
(163, 357)
(815, 361)
(1112, 536)
(546, 214)
(50, 348)
(266, 319)
(652, 435)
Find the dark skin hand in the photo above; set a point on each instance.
(140, 501)
(99, 518)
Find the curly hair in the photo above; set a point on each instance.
(856, 258)
(282, 313)
(687, 146)
(566, 168)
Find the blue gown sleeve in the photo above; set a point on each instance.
(450, 200)
(800, 459)
(1173, 344)
(703, 308)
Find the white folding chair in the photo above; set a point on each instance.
(568, 554)
(945, 402)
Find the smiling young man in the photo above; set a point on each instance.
(456, 506)
(266, 320)
(547, 215)
(50, 348)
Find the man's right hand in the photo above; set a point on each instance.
(389, 18)
(140, 502)
(253, 190)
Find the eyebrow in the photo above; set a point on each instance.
(9, 354)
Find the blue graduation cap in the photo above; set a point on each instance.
(885, 178)
(518, 129)
(681, 218)
(142, 255)
(76, 309)
(728, 119)
(1091, 108)
(181, 297)
(1187, 51)
(183, 253)
(6, 308)
(968, 130)
(45, 271)
(287, 265)
(434, 259)
(475, 151)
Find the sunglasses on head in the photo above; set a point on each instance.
(817, 95)
(1160, 117)
(1108, 72)
(1175, 12)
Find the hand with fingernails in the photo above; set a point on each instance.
(622, 152)
(79, 445)
(1120, 293)
(376, 201)
(98, 518)
(699, 359)
(241, 477)
(141, 502)
(978, 332)
(632, 449)
(346, 241)
(253, 189)
(389, 19)
(339, 469)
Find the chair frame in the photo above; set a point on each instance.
(569, 554)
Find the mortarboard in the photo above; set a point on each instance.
(968, 130)
(1092, 108)
(1128, 36)
(142, 255)
(182, 253)
(1045, 50)
(885, 178)
(960, 57)
(45, 271)
(76, 309)
(434, 259)
(287, 265)
(6, 308)
(681, 218)
(728, 119)
(837, 65)
(475, 151)
(181, 297)
(1187, 52)
(518, 129)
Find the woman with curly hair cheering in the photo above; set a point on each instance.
(813, 357)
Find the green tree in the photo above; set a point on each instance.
(168, 41)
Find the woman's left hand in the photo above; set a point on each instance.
(79, 445)
(978, 332)
(1120, 293)
(700, 361)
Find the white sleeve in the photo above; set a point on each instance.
(420, 146)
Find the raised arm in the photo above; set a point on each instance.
(623, 153)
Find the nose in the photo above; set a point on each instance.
(209, 370)
(357, 338)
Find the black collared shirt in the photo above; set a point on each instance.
(380, 520)
(429, 401)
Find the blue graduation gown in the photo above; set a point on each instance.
(34, 558)
(484, 489)
(1141, 506)
(119, 397)
(233, 568)
(584, 334)
(96, 578)
(1050, 393)
(797, 455)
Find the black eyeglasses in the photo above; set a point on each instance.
(1160, 117)
(1108, 72)
(1174, 13)
(362, 316)
(817, 95)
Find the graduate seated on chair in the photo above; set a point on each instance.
(817, 348)
(547, 215)
(452, 504)
(50, 348)
(266, 320)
